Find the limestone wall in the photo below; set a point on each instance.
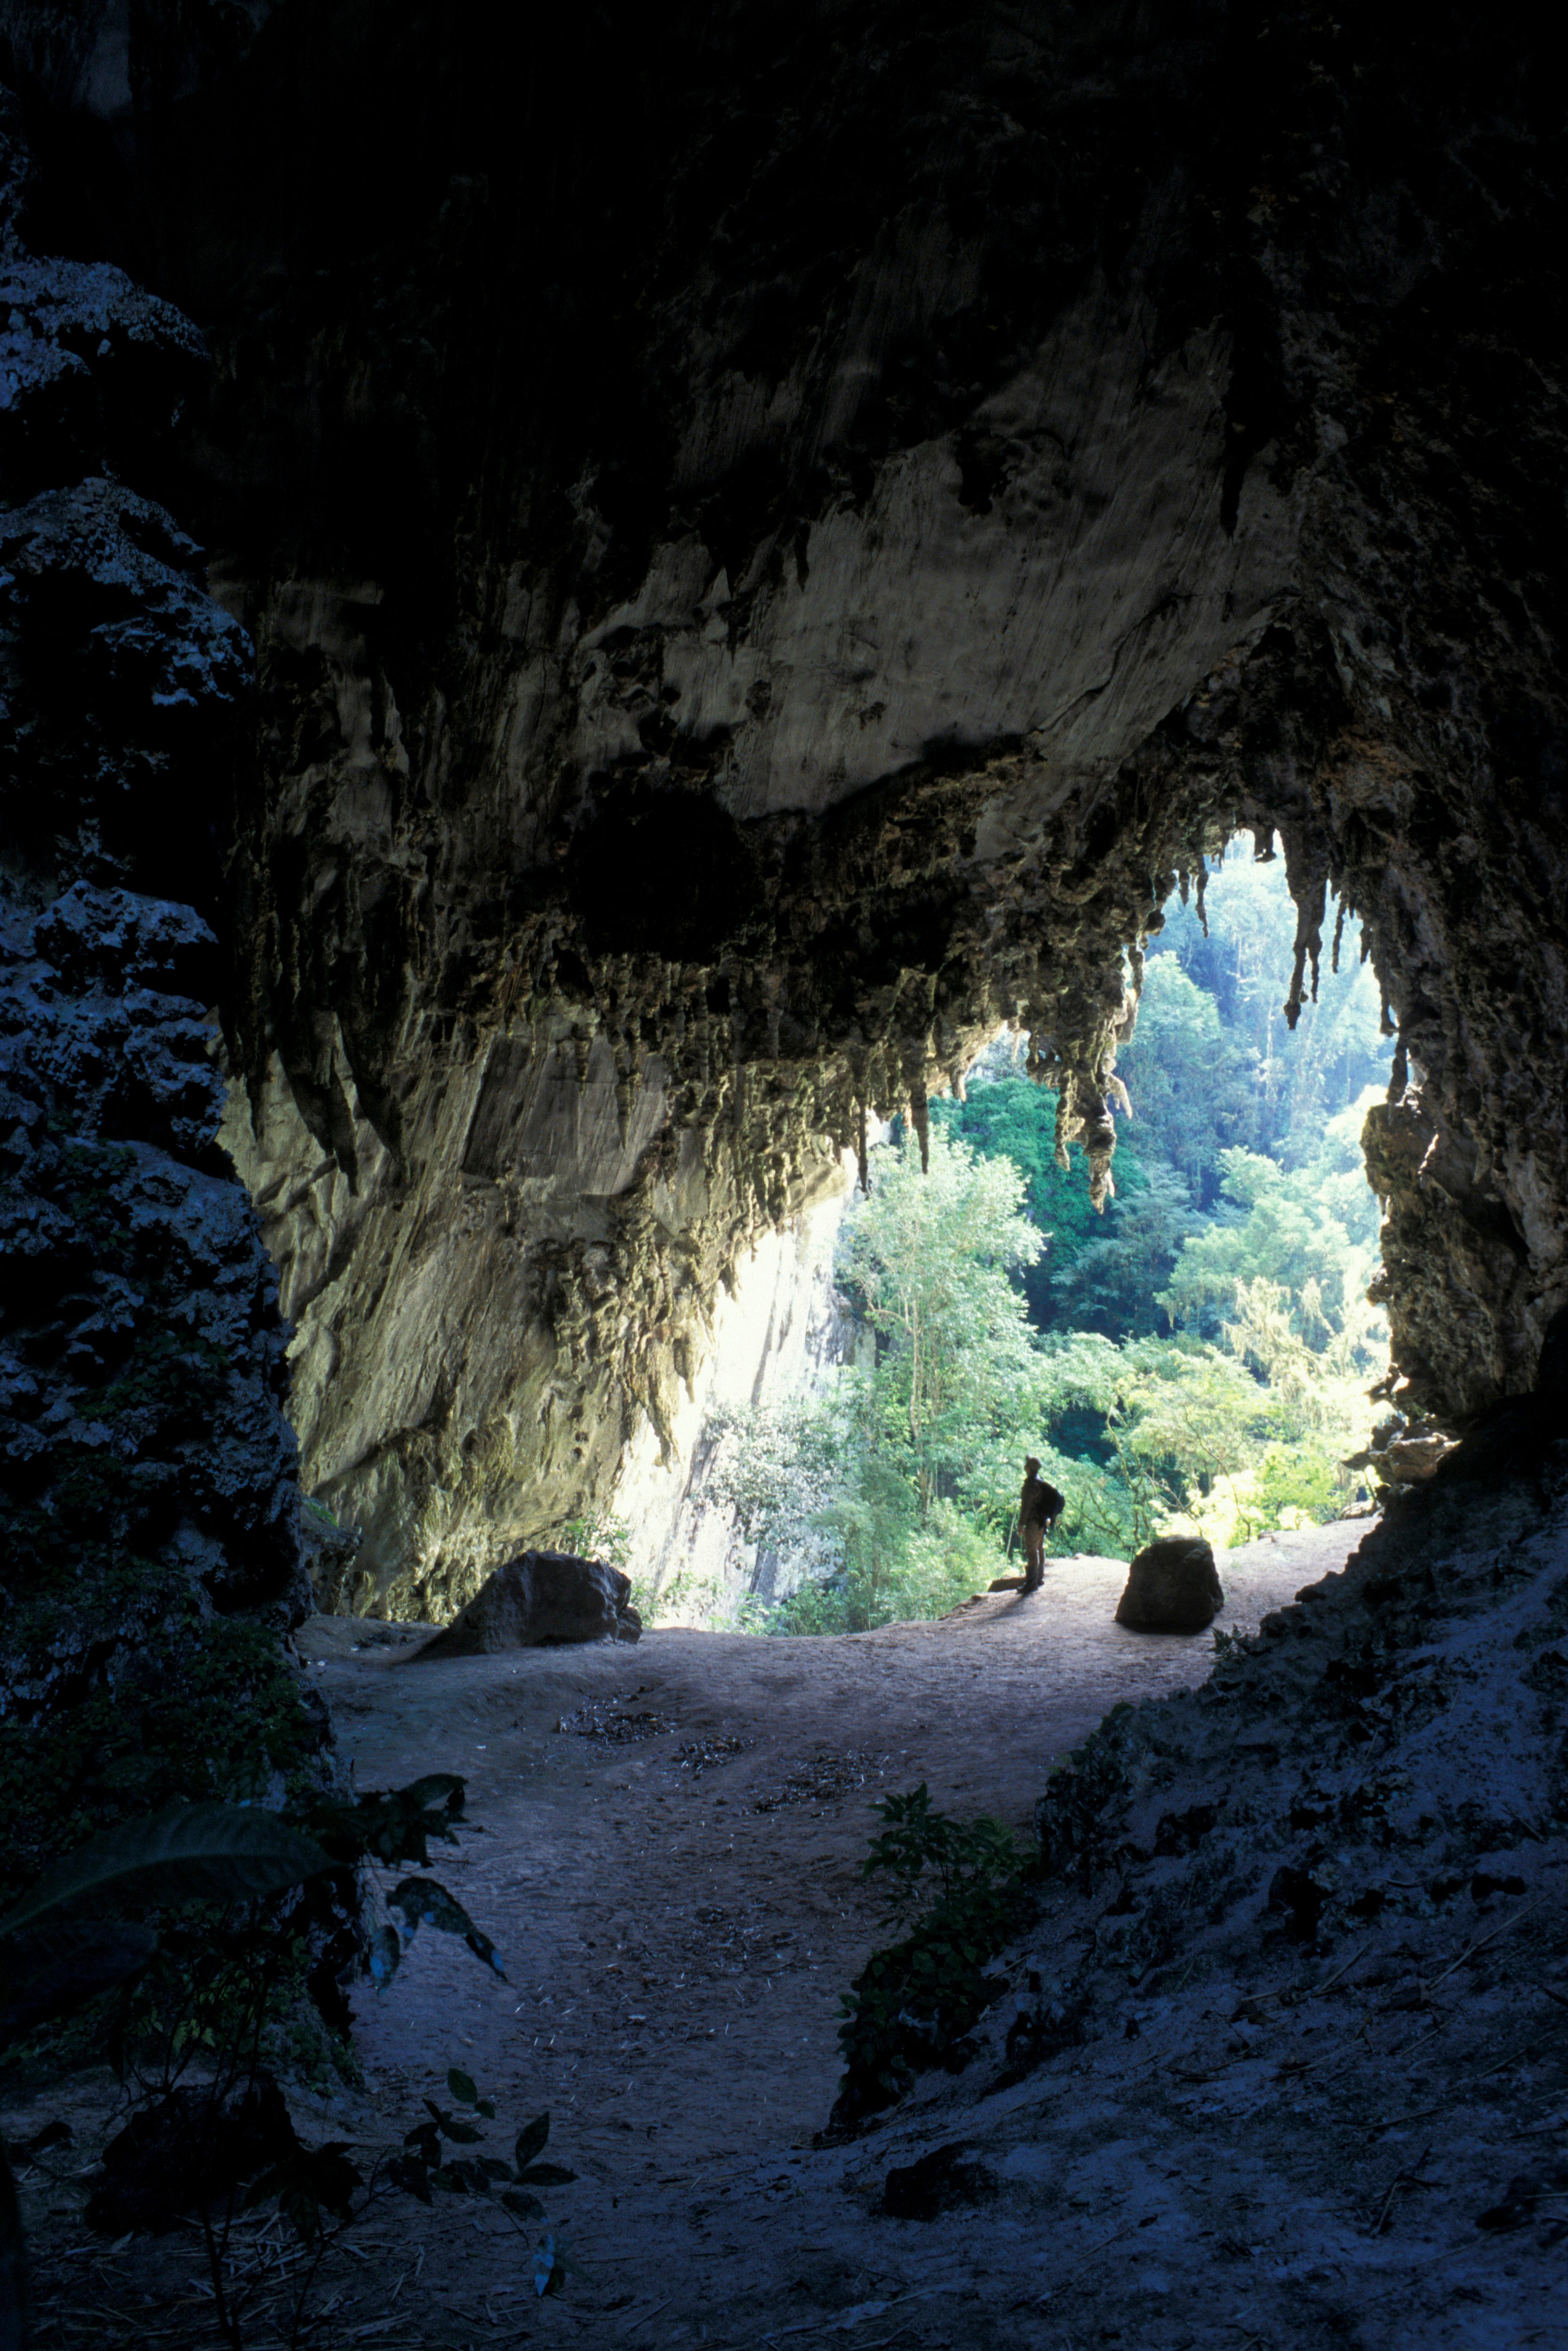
(763, 578)
(780, 1334)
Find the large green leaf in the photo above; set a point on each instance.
(209, 1853)
(422, 1901)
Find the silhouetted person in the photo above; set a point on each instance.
(1040, 1507)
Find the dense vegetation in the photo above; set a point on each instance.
(1198, 1358)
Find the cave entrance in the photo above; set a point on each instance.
(1200, 1357)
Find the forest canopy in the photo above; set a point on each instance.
(1198, 1358)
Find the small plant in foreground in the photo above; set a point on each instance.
(922, 1852)
(912, 2005)
(315, 2187)
(423, 2167)
(249, 1914)
(64, 1944)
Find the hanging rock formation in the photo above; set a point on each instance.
(752, 546)
(762, 577)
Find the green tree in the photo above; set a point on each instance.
(1287, 1235)
(1114, 1282)
(1192, 1425)
(927, 1261)
(1195, 1089)
(1097, 1270)
(888, 1483)
(1200, 1354)
(1241, 963)
(780, 1470)
(1007, 1116)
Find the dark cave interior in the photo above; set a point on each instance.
(585, 607)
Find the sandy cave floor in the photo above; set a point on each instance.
(678, 1916)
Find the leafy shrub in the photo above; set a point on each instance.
(1299, 1483)
(234, 1912)
(915, 1574)
(912, 2005)
(424, 2166)
(921, 1849)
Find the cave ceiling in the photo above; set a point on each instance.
(773, 539)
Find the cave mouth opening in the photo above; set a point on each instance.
(1200, 1357)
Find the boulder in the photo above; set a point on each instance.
(1173, 1586)
(539, 1599)
(1411, 1460)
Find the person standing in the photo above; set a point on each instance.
(1040, 1507)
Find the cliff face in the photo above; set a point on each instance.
(488, 1321)
(780, 1335)
(763, 576)
(148, 1478)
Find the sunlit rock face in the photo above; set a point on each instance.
(550, 1279)
(763, 576)
(781, 1335)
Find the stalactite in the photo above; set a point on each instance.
(1066, 1127)
(920, 1119)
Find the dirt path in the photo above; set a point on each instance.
(675, 1953)
(678, 1916)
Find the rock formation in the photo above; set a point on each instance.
(1280, 1919)
(1173, 1586)
(751, 546)
(781, 1335)
(149, 1551)
(917, 483)
(544, 1598)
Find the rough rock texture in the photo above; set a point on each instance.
(93, 368)
(149, 1491)
(1173, 1586)
(122, 682)
(121, 1217)
(1289, 1999)
(537, 1601)
(953, 466)
(918, 479)
(781, 1335)
(774, 537)
(532, 1310)
(148, 1477)
(332, 1555)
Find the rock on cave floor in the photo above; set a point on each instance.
(674, 1953)
(678, 1914)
